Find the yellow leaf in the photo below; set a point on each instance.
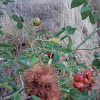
(65, 95)
(55, 40)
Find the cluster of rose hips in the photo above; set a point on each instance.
(84, 81)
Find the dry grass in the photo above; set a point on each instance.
(55, 15)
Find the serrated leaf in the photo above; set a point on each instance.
(63, 37)
(22, 19)
(85, 9)
(15, 17)
(61, 31)
(96, 15)
(35, 97)
(5, 85)
(84, 1)
(70, 30)
(1, 32)
(62, 66)
(92, 18)
(33, 59)
(76, 3)
(84, 15)
(96, 54)
(6, 45)
(19, 25)
(96, 63)
(55, 40)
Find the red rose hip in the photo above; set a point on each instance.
(79, 77)
(88, 73)
(78, 85)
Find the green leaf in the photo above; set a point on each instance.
(5, 2)
(15, 17)
(85, 93)
(61, 31)
(84, 15)
(84, 1)
(9, 53)
(70, 30)
(92, 18)
(1, 32)
(23, 62)
(5, 85)
(1, 12)
(96, 63)
(20, 70)
(70, 44)
(6, 45)
(35, 97)
(1, 67)
(85, 9)
(13, 85)
(66, 50)
(63, 37)
(62, 66)
(76, 3)
(21, 18)
(56, 58)
(96, 54)
(10, 0)
(96, 15)
(19, 25)
(15, 64)
(16, 96)
(74, 92)
(33, 59)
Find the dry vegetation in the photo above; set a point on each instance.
(55, 14)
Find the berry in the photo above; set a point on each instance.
(86, 81)
(78, 85)
(79, 77)
(37, 21)
(88, 73)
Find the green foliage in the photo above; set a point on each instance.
(62, 66)
(35, 98)
(76, 3)
(5, 85)
(6, 45)
(70, 30)
(33, 59)
(38, 50)
(74, 92)
(19, 21)
(1, 32)
(61, 31)
(96, 63)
